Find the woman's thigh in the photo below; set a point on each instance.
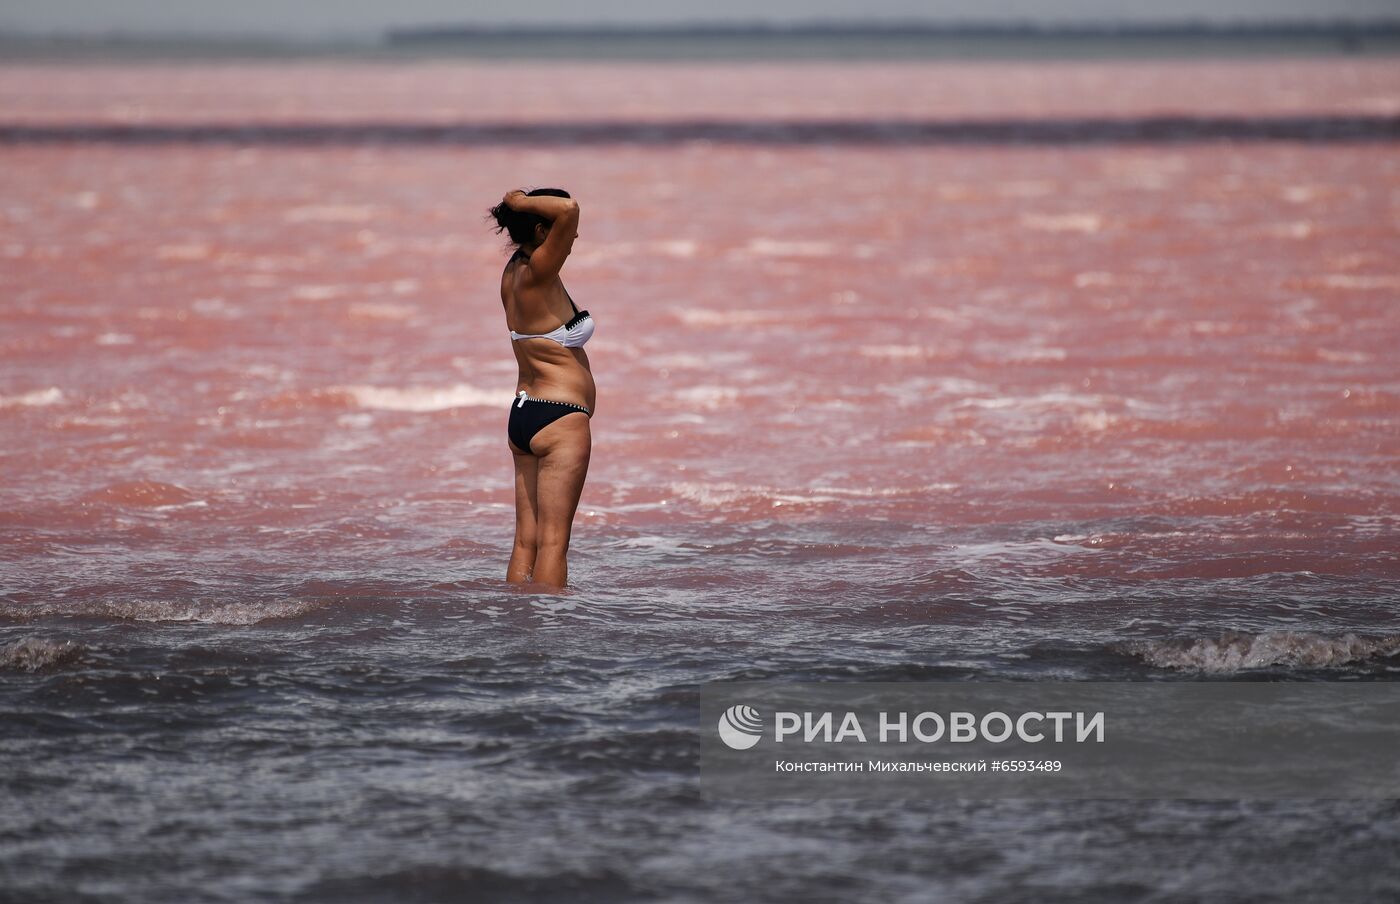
(526, 500)
(563, 447)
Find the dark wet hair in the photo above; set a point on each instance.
(521, 224)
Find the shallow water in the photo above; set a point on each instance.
(865, 413)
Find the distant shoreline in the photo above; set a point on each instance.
(819, 41)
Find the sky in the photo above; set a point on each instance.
(349, 18)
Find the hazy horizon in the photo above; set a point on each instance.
(324, 19)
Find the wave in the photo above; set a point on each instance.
(1235, 651)
(33, 654)
(235, 614)
(142, 493)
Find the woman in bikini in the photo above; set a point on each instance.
(548, 430)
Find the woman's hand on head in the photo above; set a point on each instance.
(511, 194)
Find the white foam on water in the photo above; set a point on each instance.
(772, 248)
(426, 398)
(196, 503)
(884, 492)
(707, 396)
(1237, 651)
(318, 293)
(1095, 421)
(678, 248)
(659, 544)
(893, 351)
(1087, 223)
(1360, 282)
(704, 317)
(712, 495)
(188, 252)
(1039, 354)
(1296, 229)
(265, 372)
(33, 399)
(1343, 357)
(782, 499)
(717, 495)
(1216, 327)
(329, 213)
(243, 613)
(1091, 278)
(683, 360)
(372, 310)
(216, 307)
(1055, 399)
(84, 421)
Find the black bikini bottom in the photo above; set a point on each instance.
(529, 416)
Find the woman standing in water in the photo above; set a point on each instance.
(548, 431)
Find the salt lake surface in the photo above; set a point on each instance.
(866, 412)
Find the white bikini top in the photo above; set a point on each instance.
(573, 334)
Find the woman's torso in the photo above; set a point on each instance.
(548, 370)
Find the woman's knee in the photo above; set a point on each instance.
(554, 541)
(527, 534)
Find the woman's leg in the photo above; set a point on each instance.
(522, 557)
(563, 448)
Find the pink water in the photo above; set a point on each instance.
(537, 91)
(303, 348)
(865, 412)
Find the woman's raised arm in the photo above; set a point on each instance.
(548, 259)
(547, 206)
